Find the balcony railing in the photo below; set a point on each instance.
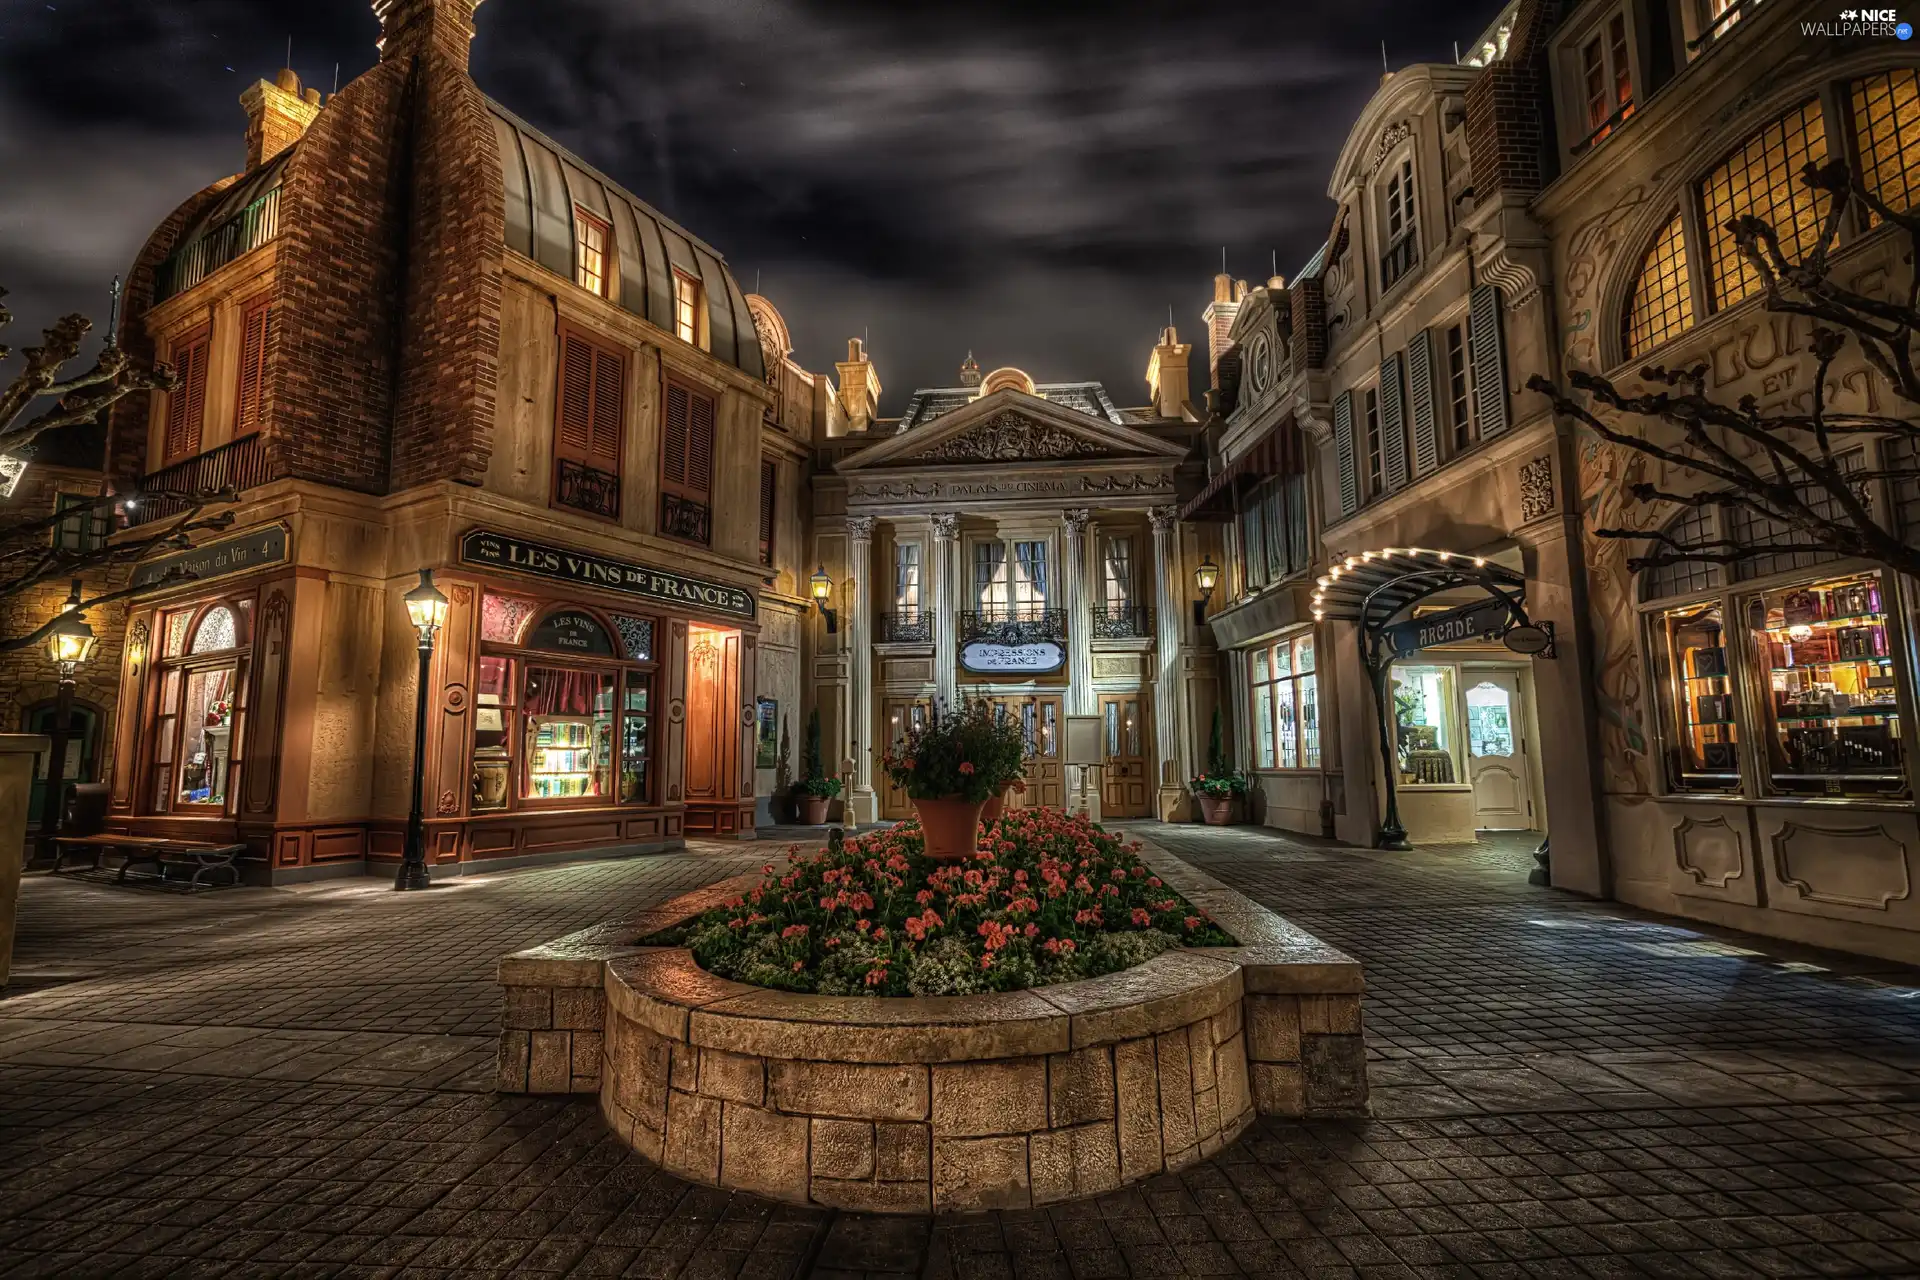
(1121, 621)
(683, 518)
(907, 626)
(587, 489)
(1604, 129)
(1013, 625)
(244, 232)
(1398, 259)
(237, 465)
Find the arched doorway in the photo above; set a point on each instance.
(83, 740)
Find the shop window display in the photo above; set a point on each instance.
(569, 734)
(1425, 725)
(1286, 705)
(197, 717)
(1691, 672)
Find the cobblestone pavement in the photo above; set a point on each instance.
(294, 1083)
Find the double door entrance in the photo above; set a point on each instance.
(1042, 727)
(1123, 775)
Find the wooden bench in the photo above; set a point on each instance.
(160, 851)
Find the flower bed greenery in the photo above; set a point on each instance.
(1047, 898)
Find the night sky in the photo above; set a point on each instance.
(1034, 181)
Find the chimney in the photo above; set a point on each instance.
(859, 386)
(409, 28)
(277, 114)
(1167, 374)
(1227, 294)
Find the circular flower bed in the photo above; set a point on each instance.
(1047, 897)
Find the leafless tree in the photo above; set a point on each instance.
(1794, 468)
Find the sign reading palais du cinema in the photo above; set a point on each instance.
(497, 550)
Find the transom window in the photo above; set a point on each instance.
(590, 237)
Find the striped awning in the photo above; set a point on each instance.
(1277, 453)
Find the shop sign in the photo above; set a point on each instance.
(572, 632)
(985, 658)
(248, 551)
(498, 551)
(1468, 622)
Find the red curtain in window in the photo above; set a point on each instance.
(552, 692)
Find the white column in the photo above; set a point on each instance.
(1168, 603)
(1078, 604)
(944, 583)
(862, 805)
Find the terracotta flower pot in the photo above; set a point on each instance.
(1215, 810)
(996, 805)
(951, 827)
(813, 810)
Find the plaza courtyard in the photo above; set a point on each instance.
(297, 1082)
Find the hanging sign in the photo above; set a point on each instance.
(1468, 622)
(246, 551)
(985, 658)
(499, 551)
(570, 631)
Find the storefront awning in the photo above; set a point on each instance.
(1274, 454)
(1373, 587)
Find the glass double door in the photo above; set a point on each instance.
(1043, 729)
(1123, 775)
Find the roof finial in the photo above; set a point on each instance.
(969, 371)
(1383, 58)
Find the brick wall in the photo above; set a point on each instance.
(1307, 320)
(1508, 113)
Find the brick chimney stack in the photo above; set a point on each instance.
(410, 27)
(859, 386)
(277, 114)
(1228, 294)
(1167, 374)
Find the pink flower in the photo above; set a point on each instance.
(1192, 922)
(794, 931)
(966, 767)
(1141, 918)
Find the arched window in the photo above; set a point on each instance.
(1691, 528)
(1399, 235)
(1661, 304)
(1886, 131)
(217, 631)
(1762, 179)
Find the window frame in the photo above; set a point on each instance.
(1374, 442)
(1300, 689)
(1396, 188)
(585, 219)
(165, 725)
(689, 309)
(83, 531)
(1002, 585)
(904, 609)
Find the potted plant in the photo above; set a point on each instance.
(1220, 783)
(816, 788)
(950, 767)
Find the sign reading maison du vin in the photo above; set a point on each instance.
(497, 550)
(251, 550)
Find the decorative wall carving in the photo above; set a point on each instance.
(1709, 851)
(946, 526)
(1390, 137)
(1012, 437)
(1116, 666)
(1536, 487)
(860, 528)
(987, 486)
(1860, 867)
(449, 805)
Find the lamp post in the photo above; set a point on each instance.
(822, 592)
(69, 644)
(1206, 577)
(427, 610)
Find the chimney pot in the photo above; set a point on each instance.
(311, 97)
(288, 81)
(276, 116)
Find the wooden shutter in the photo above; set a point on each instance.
(187, 402)
(589, 420)
(673, 444)
(1489, 360)
(1343, 450)
(609, 410)
(255, 326)
(769, 483)
(1393, 422)
(1426, 431)
(686, 450)
(700, 444)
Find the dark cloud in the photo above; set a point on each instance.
(1035, 182)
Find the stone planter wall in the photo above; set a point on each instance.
(969, 1102)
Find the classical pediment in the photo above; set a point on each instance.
(1011, 427)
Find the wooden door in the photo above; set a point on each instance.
(1123, 780)
(900, 714)
(1496, 753)
(1044, 729)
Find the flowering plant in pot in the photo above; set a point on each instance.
(815, 788)
(950, 767)
(1220, 783)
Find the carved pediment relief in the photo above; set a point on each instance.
(1011, 437)
(1008, 428)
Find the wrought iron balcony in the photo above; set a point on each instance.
(907, 626)
(244, 232)
(587, 489)
(236, 465)
(1016, 624)
(1121, 621)
(1399, 259)
(683, 518)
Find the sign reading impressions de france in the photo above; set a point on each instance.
(499, 551)
(985, 658)
(239, 554)
(1468, 622)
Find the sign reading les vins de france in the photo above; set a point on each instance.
(497, 550)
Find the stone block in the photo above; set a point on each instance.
(1226, 1023)
(1096, 1159)
(638, 1061)
(1137, 1091)
(692, 1147)
(903, 1152)
(1176, 1091)
(1050, 1166)
(1177, 1160)
(579, 1009)
(1330, 1015)
(516, 1047)
(684, 1067)
(763, 1151)
(849, 1091)
(842, 1149)
(1230, 1073)
(1200, 1053)
(550, 1062)
(732, 1077)
(1206, 1114)
(980, 1173)
(873, 1197)
(1080, 1086)
(1336, 1074)
(977, 1099)
(529, 1009)
(1279, 1089)
(1273, 1028)
(588, 1049)
(648, 1142)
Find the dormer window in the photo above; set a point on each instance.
(1606, 79)
(1397, 226)
(590, 239)
(686, 309)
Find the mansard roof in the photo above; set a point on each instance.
(1090, 398)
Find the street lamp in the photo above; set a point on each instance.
(427, 610)
(822, 592)
(69, 644)
(1206, 577)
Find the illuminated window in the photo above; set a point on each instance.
(1661, 305)
(1762, 179)
(589, 252)
(1606, 79)
(686, 309)
(1286, 711)
(1376, 467)
(1886, 129)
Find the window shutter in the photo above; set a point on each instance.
(700, 444)
(1343, 449)
(1489, 361)
(769, 482)
(609, 401)
(673, 446)
(1426, 436)
(1393, 422)
(255, 323)
(573, 431)
(187, 402)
